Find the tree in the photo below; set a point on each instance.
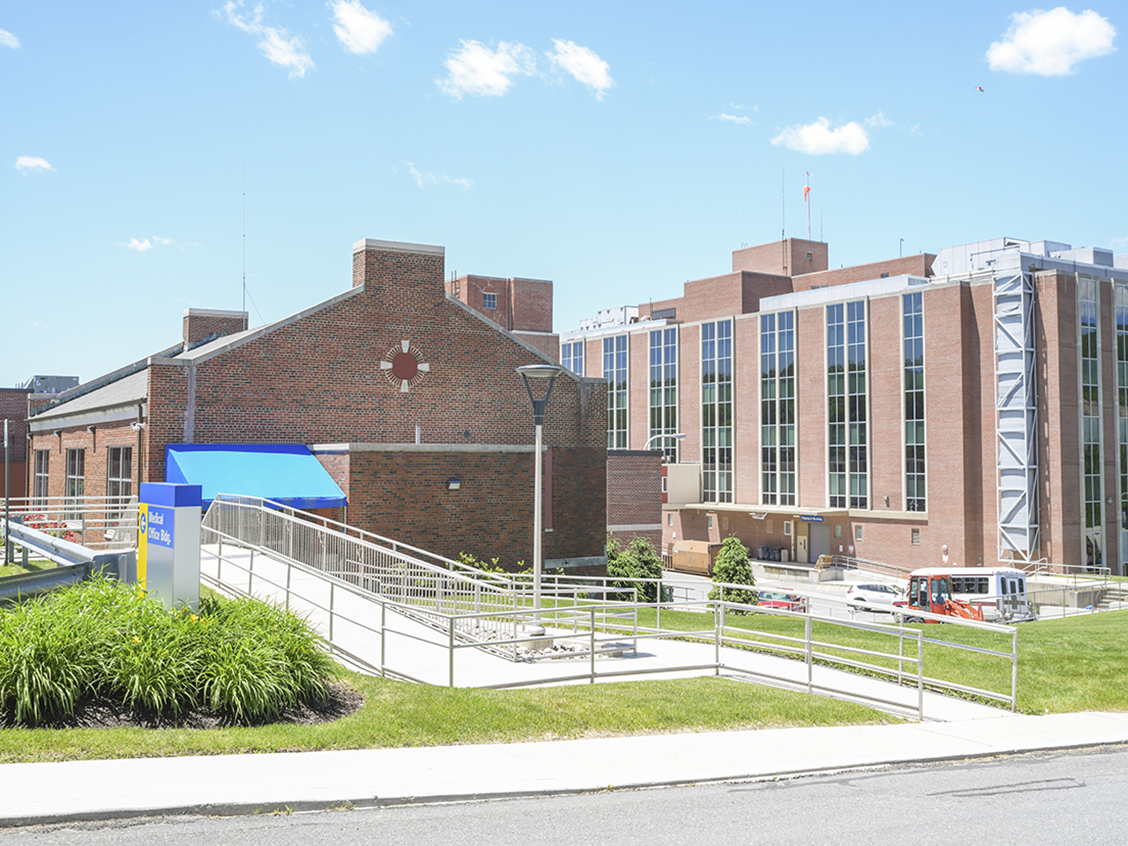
(638, 561)
(733, 567)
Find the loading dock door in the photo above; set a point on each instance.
(820, 540)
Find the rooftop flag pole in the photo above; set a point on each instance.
(807, 200)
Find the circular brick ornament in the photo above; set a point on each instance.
(404, 366)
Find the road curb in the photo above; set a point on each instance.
(295, 806)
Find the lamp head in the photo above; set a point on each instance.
(539, 372)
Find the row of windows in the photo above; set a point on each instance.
(777, 409)
(716, 411)
(847, 403)
(1090, 418)
(664, 390)
(615, 372)
(119, 478)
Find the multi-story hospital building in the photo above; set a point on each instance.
(968, 406)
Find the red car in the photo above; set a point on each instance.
(783, 601)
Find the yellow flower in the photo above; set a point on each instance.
(136, 639)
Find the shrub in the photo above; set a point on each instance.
(246, 660)
(733, 567)
(638, 561)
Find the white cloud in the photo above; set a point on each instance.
(275, 43)
(142, 245)
(425, 178)
(1051, 43)
(478, 70)
(9, 40)
(584, 64)
(35, 164)
(360, 30)
(818, 138)
(193, 244)
(732, 118)
(879, 120)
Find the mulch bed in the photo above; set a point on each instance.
(343, 700)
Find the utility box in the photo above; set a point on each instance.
(168, 543)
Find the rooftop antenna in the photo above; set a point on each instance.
(783, 204)
(783, 219)
(244, 236)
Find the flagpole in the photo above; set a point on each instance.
(807, 197)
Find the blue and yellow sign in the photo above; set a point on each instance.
(168, 543)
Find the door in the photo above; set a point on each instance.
(819, 540)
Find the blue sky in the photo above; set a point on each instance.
(616, 149)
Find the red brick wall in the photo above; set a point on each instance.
(782, 258)
(522, 304)
(634, 494)
(689, 392)
(13, 407)
(638, 389)
(336, 464)
(318, 380)
(532, 305)
(746, 411)
(403, 494)
(886, 402)
(205, 325)
(547, 344)
(810, 364)
(914, 265)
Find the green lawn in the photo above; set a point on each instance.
(1065, 665)
(402, 714)
(16, 570)
(1073, 664)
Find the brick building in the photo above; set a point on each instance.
(396, 386)
(13, 408)
(971, 404)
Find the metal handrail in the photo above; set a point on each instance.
(362, 534)
(599, 622)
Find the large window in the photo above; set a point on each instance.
(848, 460)
(39, 487)
(615, 372)
(777, 408)
(119, 479)
(664, 390)
(489, 301)
(913, 317)
(1090, 385)
(75, 483)
(716, 411)
(572, 356)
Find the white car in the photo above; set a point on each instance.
(873, 596)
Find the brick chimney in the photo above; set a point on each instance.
(395, 265)
(206, 324)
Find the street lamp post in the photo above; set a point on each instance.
(538, 372)
(679, 436)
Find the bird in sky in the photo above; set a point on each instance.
(979, 88)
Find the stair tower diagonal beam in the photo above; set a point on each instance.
(1016, 417)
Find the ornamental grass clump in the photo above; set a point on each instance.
(246, 661)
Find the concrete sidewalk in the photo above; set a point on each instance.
(233, 784)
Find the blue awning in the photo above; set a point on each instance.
(286, 473)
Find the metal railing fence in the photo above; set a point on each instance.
(457, 621)
(96, 522)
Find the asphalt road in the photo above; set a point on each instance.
(1066, 798)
